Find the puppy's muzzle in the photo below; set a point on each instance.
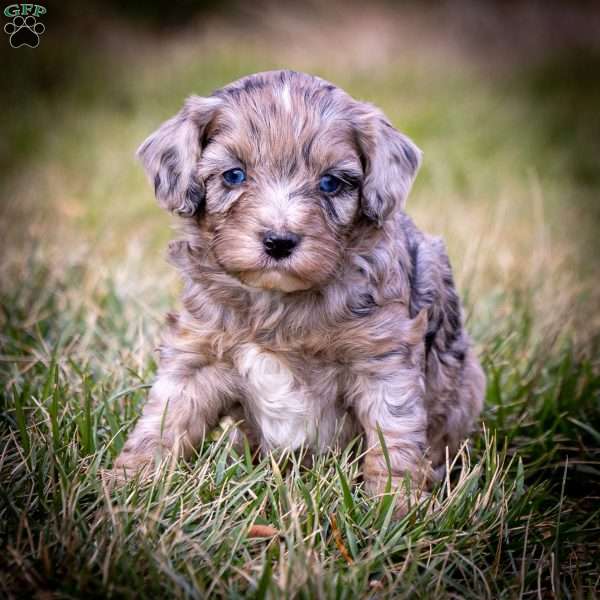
(280, 245)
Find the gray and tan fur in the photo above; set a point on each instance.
(358, 329)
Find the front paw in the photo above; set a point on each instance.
(126, 467)
(406, 501)
(407, 493)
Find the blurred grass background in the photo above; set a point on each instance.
(504, 100)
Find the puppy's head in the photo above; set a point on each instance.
(277, 169)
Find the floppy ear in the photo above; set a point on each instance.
(391, 161)
(170, 157)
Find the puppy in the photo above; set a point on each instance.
(313, 308)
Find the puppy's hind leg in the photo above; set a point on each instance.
(455, 394)
(241, 429)
(180, 410)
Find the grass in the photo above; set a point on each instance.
(83, 290)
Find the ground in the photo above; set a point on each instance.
(511, 139)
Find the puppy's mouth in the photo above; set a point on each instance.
(306, 266)
(274, 279)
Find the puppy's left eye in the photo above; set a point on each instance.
(234, 176)
(330, 184)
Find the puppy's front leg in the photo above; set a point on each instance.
(392, 406)
(181, 409)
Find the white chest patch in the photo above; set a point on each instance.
(282, 409)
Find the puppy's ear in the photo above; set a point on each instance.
(391, 161)
(170, 156)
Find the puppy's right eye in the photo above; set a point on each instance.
(234, 176)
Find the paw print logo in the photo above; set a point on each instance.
(24, 31)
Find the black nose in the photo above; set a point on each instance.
(280, 245)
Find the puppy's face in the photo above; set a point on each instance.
(282, 188)
(277, 169)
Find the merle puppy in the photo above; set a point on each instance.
(313, 309)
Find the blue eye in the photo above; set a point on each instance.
(330, 184)
(234, 176)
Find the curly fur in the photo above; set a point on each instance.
(359, 330)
